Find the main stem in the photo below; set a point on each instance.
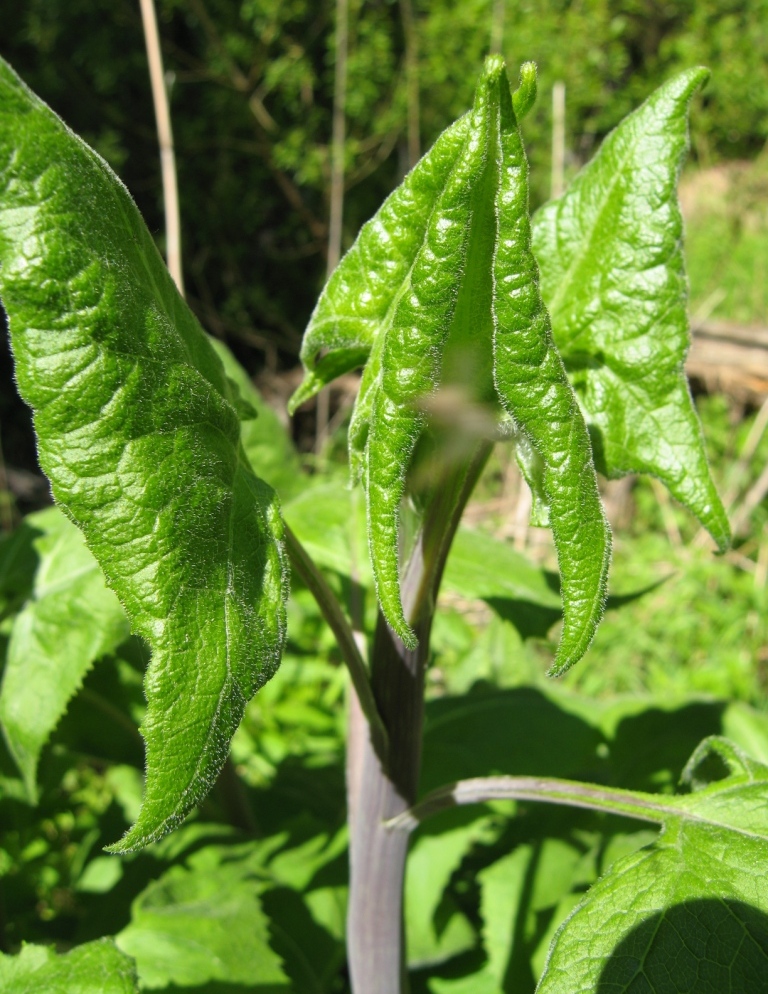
(381, 788)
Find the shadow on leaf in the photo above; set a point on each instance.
(698, 947)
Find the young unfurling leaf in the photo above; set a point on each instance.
(440, 290)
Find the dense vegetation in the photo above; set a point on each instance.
(682, 644)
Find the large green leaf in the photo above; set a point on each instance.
(94, 968)
(613, 278)
(71, 619)
(689, 912)
(193, 926)
(139, 433)
(441, 290)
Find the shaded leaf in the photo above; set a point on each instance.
(435, 927)
(688, 912)
(500, 731)
(613, 278)
(70, 620)
(94, 968)
(138, 430)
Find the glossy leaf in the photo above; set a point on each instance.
(194, 926)
(690, 911)
(441, 290)
(70, 620)
(138, 430)
(613, 278)
(94, 968)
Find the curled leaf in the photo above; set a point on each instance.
(458, 310)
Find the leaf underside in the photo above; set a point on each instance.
(138, 431)
(440, 291)
(687, 913)
(613, 278)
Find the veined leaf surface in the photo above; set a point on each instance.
(613, 278)
(690, 911)
(447, 283)
(71, 619)
(138, 431)
(92, 968)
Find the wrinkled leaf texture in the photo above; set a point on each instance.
(690, 911)
(138, 430)
(613, 278)
(441, 287)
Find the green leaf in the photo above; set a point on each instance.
(70, 620)
(194, 926)
(18, 562)
(266, 440)
(94, 968)
(490, 731)
(480, 566)
(441, 290)
(435, 927)
(613, 278)
(329, 520)
(139, 433)
(502, 905)
(690, 911)
(357, 302)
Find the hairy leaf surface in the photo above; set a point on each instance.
(613, 278)
(440, 291)
(71, 619)
(93, 968)
(139, 433)
(690, 911)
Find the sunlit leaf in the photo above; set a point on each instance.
(139, 432)
(450, 301)
(613, 277)
(94, 968)
(194, 926)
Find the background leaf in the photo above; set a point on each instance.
(193, 926)
(93, 968)
(436, 929)
(70, 620)
(139, 434)
(613, 278)
(266, 440)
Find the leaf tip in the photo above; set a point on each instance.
(493, 67)
(524, 96)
